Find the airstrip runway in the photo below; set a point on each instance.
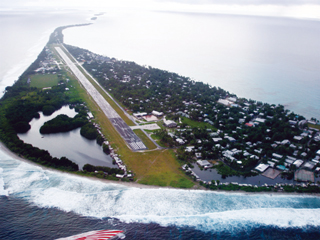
(132, 140)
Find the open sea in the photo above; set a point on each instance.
(42, 204)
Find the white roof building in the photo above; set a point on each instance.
(203, 163)
(140, 114)
(262, 167)
(156, 113)
(224, 102)
(276, 155)
(189, 148)
(180, 141)
(260, 120)
(169, 123)
(90, 115)
(217, 139)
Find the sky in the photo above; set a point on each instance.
(282, 8)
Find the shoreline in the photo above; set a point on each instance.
(11, 154)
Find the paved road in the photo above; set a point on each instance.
(124, 130)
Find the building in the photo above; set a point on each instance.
(180, 141)
(203, 163)
(169, 123)
(156, 113)
(262, 167)
(90, 115)
(137, 115)
(150, 118)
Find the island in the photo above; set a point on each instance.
(160, 128)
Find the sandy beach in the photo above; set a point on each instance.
(4, 149)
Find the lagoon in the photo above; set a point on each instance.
(70, 144)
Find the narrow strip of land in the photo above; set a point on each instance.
(133, 141)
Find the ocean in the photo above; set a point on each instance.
(43, 204)
(268, 59)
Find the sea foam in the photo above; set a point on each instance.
(3, 192)
(203, 210)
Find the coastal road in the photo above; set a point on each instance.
(132, 140)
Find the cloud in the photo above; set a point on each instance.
(244, 2)
(278, 8)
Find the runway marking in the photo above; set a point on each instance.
(123, 129)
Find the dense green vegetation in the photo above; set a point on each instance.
(62, 123)
(193, 105)
(89, 131)
(111, 171)
(106, 148)
(201, 118)
(247, 188)
(21, 103)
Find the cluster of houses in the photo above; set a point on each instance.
(113, 155)
(217, 112)
(50, 64)
(188, 170)
(120, 164)
(297, 161)
(154, 116)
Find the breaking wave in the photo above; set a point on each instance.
(202, 210)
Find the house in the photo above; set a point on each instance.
(203, 163)
(271, 164)
(298, 163)
(198, 155)
(169, 123)
(241, 120)
(231, 139)
(224, 102)
(232, 99)
(137, 115)
(150, 118)
(261, 167)
(309, 165)
(156, 113)
(90, 115)
(189, 148)
(260, 120)
(217, 139)
(180, 141)
(285, 142)
(277, 155)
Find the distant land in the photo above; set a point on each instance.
(183, 125)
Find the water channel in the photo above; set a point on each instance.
(212, 174)
(70, 144)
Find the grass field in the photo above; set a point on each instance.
(149, 144)
(195, 124)
(314, 126)
(152, 167)
(44, 80)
